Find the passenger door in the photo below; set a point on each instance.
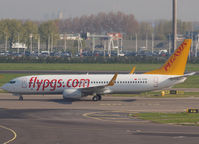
(24, 83)
(155, 82)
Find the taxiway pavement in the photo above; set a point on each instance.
(49, 119)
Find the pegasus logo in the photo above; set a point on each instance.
(173, 58)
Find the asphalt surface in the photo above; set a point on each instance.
(49, 119)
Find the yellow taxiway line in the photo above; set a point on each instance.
(12, 131)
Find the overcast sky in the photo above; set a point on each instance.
(144, 10)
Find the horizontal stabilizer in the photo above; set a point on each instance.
(183, 76)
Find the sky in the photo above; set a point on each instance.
(143, 10)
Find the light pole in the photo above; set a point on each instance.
(31, 43)
(174, 24)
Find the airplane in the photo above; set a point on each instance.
(78, 86)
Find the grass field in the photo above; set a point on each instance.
(170, 118)
(191, 82)
(87, 67)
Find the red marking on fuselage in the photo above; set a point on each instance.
(68, 82)
(39, 84)
(60, 83)
(57, 83)
(30, 82)
(45, 84)
(84, 81)
(75, 83)
(34, 82)
(53, 84)
(173, 58)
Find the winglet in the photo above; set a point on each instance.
(112, 81)
(133, 70)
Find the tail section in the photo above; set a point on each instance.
(176, 64)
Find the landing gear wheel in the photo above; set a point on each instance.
(21, 98)
(97, 98)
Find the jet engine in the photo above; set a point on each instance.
(72, 93)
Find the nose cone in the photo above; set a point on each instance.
(5, 87)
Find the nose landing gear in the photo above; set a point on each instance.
(20, 98)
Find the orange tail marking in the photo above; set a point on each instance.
(176, 64)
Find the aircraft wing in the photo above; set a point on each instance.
(183, 76)
(101, 88)
(133, 70)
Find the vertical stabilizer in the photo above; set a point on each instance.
(176, 64)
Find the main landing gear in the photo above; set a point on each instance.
(20, 98)
(97, 98)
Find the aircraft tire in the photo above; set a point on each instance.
(99, 97)
(95, 98)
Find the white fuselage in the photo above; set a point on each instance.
(56, 84)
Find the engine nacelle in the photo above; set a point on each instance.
(72, 93)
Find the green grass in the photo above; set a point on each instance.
(170, 118)
(191, 82)
(76, 67)
(86, 67)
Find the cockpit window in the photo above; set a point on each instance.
(12, 82)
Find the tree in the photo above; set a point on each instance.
(30, 30)
(48, 31)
